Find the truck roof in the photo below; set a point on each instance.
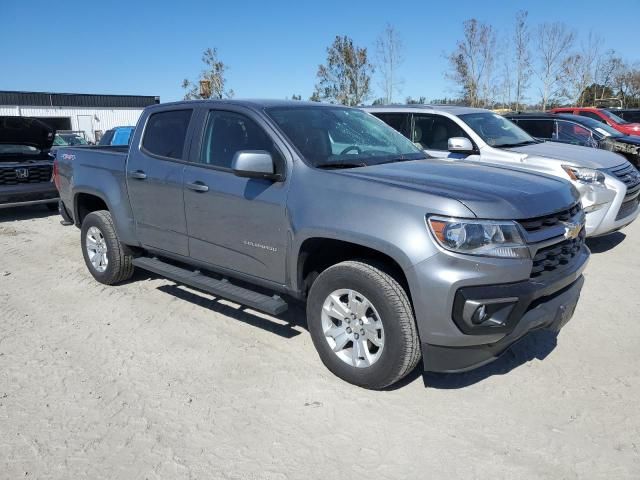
(250, 103)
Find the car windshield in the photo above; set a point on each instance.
(18, 150)
(496, 130)
(601, 129)
(614, 117)
(339, 137)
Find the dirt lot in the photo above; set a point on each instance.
(147, 380)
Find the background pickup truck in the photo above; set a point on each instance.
(395, 256)
(25, 163)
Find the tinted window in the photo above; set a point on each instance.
(166, 132)
(227, 133)
(595, 116)
(399, 121)
(539, 128)
(570, 132)
(433, 132)
(496, 130)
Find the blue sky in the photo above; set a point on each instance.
(272, 48)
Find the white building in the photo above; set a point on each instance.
(91, 114)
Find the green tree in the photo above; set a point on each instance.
(346, 76)
(212, 80)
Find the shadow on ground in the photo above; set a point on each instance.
(536, 345)
(25, 213)
(605, 243)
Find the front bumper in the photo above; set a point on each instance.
(27, 194)
(603, 207)
(446, 282)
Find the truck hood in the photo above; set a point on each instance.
(573, 154)
(26, 131)
(489, 192)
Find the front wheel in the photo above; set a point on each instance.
(362, 325)
(107, 259)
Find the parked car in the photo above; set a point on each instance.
(602, 116)
(68, 139)
(394, 255)
(608, 184)
(577, 130)
(627, 114)
(117, 136)
(25, 163)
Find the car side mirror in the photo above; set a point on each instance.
(460, 145)
(254, 164)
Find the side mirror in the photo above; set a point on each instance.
(254, 164)
(460, 145)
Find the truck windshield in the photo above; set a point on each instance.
(338, 137)
(614, 117)
(496, 130)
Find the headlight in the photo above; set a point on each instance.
(479, 237)
(584, 175)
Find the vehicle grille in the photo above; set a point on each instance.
(539, 223)
(37, 174)
(628, 207)
(628, 175)
(554, 257)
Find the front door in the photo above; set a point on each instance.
(432, 133)
(236, 223)
(154, 181)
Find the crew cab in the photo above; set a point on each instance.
(602, 116)
(396, 256)
(606, 181)
(25, 163)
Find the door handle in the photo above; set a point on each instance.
(198, 187)
(138, 174)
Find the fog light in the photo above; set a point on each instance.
(488, 313)
(480, 315)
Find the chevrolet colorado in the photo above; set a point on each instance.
(395, 255)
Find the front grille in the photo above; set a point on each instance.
(540, 223)
(628, 207)
(628, 175)
(36, 174)
(554, 257)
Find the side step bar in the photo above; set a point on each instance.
(222, 288)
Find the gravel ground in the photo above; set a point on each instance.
(147, 380)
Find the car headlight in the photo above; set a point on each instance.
(479, 237)
(584, 175)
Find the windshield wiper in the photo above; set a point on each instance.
(341, 165)
(519, 144)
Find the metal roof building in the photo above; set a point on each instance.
(92, 114)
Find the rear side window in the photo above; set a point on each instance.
(166, 132)
(537, 128)
(398, 121)
(595, 116)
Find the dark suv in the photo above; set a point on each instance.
(25, 163)
(578, 130)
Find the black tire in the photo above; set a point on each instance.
(401, 352)
(119, 266)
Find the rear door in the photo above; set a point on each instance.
(155, 171)
(236, 223)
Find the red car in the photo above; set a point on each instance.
(603, 116)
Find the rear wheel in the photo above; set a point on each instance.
(362, 325)
(107, 259)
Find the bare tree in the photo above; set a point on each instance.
(346, 77)
(554, 42)
(389, 57)
(211, 83)
(608, 69)
(522, 62)
(469, 61)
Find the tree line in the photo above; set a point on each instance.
(526, 67)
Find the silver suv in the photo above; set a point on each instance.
(609, 185)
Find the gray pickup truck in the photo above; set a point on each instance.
(396, 256)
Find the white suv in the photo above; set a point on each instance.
(608, 184)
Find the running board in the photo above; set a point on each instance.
(221, 288)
